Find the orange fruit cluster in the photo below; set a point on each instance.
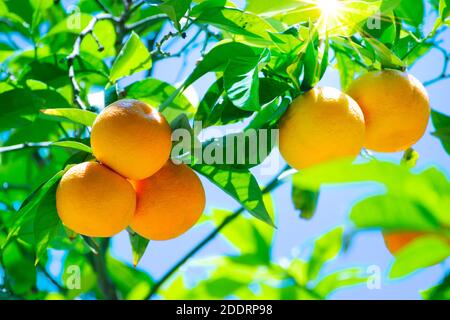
(134, 183)
(384, 111)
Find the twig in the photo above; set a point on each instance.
(102, 6)
(443, 75)
(145, 21)
(272, 185)
(158, 50)
(99, 264)
(89, 29)
(136, 6)
(434, 32)
(25, 145)
(9, 186)
(52, 280)
(127, 4)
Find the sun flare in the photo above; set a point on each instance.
(329, 8)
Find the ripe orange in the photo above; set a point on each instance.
(396, 108)
(323, 124)
(132, 138)
(168, 203)
(396, 241)
(95, 201)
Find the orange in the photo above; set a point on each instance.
(322, 125)
(396, 241)
(396, 108)
(95, 201)
(168, 203)
(132, 138)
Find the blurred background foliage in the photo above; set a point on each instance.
(55, 56)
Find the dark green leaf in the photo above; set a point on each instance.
(46, 222)
(175, 9)
(31, 204)
(441, 123)
(138, 246)
(156, 93)
(241, 185)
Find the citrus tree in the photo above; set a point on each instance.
(76, 170)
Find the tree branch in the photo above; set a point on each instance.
(99, 264)
(102, 6)
(145, 21)
(25, 145)
(89, 29)
(443, 75)
(52, 280)
(272, 185)
(136, 6)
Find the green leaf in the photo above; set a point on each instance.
(412, 12)
(133, 57)
(18, 107)
(340, 279)
(219, 57)
(394, 213)
(242, 150)
(217, 109)
(207, 111)
(46, 222)
(175, 9)
(438, 292)
(241, 82)
(240, 66)
(387, 58)
(266, 6)
(410, 158)
(237, 22)
(405, 200)
(132, 284)
(269, 115)
(19, 268)
(327, 247)
(74, 23)
(444, 9)
(441, 123)
(31, 203)
(305, 201)
(156, 93)
(421, 253)
(241, 185)
(78, 270)
(138, 246)
(72, 115)
(72, 145)
(251, 237)
(111, 94)
(311, 62)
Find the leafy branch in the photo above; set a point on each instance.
(89, 29)
(272, 185)
(444, 73)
